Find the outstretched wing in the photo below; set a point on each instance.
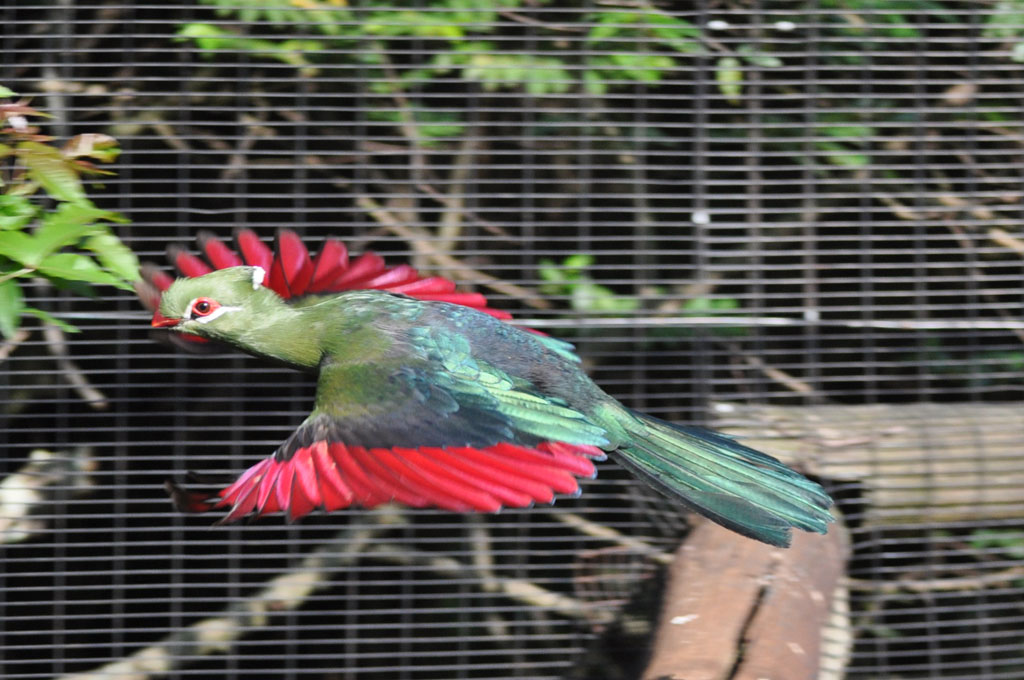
(442, 429)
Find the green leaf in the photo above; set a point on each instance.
(67, 225)
(841, 155)
(417, 24)
(856, 131)
(754, 56)
(730, 79)
(114, 255)
(21, 248)
(1006, 20)
(594, 84)
(537, 75)
(46, 317)
(76, 267)
(15, 211)
(578, 262)
(11, 305)
(51, 170)
(644, 68)
(210, 38)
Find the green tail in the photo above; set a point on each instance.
(740, 488)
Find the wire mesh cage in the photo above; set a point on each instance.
(798, 221)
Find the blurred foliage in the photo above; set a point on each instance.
(48, 226)
(570, 279)
(623, 47)
(620, 48)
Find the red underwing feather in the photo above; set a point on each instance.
(591, 452)
(254, 251)
(355, 476)
(333, 490)
(161, 280)
(301, 502)
(231, 494)
(330, 262)
(553, 478)
(569, 461)
(438, 491)
(150, 286)
(189, 264)
(305, 485)
(431, 284)
(394, 486)
(266, 499)
(465, 299)
(283, 486)
(331, 475)
(363, 268)
(218, 254)
(517, 492)
(429, 461)
(395, 276)
(244, 501)
(292, 268)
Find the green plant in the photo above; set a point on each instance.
(571, 279)
(48, 226)
(460, 28)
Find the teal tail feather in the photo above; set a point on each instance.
(734, 485)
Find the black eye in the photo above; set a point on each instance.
(203, 307)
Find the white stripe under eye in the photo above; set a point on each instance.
(220, 311)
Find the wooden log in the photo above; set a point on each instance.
(916, 463)
(736, 609)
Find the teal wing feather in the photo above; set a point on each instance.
(438, 394)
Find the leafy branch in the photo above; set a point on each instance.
(71, 244)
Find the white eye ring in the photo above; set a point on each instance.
(258, 274)
(220, 311)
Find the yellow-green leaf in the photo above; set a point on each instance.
(11, 304)
(21, 248)
(114, 255)
(730, 78)
(75, 267)
(49, 168)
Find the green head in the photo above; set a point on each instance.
(221, 305)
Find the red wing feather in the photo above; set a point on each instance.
(254, 251)
(330, 262)
(391, 278)
(431, 285)
(292, 268)
(217, 254)
(386, 481)
(187, 263)
(331, 475)
(292, 273)
(364, 268)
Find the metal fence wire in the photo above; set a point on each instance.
(807, 211)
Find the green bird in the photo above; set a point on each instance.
(430, 403)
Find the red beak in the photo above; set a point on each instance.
(161, 321)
